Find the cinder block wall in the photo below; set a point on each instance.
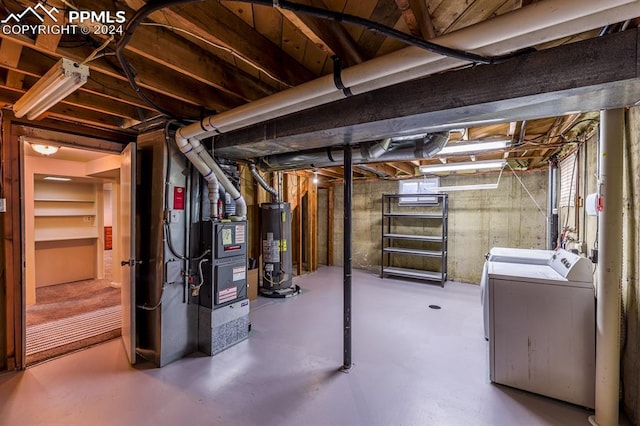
(478, 220)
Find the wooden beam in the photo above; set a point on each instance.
(150, 76)
(404, 167)
(188, 59)
(15, 80)
(385, 13)
(217, 24)
(34, 64)
(10, 53)
(48, 41)
(331, 36)
(383, 168)
(606, 66)
(330, 173)
(416, 16)
(423, 18)
(70, 113)
(88, 101)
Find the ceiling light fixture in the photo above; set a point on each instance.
(461, 148)
(453, 167)
(315, 177)
(57, 178)
(60, 81)
(44, 149)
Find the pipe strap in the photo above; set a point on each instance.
(337, 77)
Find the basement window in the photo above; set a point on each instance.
(418, 186)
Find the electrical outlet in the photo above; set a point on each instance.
(3, 205)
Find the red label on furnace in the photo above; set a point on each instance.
(178, 198)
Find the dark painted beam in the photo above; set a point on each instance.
(583, 76)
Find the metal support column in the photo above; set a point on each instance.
(609, 268)
(348, 194)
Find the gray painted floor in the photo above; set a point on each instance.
(413, 366)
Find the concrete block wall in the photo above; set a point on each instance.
(630, 267)
(478, 220)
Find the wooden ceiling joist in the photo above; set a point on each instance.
(216, 24)
(332, 37)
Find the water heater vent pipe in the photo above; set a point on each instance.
(271, 190)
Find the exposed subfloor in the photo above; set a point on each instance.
(413, 366)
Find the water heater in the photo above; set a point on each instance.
(275, 234)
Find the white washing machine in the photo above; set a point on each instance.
(508, 255)
(542, 327)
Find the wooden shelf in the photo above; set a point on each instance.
(63, 200)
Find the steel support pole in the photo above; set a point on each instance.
(348, 194)
(609, 268)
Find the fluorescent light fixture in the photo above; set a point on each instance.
(60, 81)
(467, 187)
(461, 148)
(453, 167)
(57, 178)
(44, 149)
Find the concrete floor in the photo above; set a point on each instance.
(413, 366)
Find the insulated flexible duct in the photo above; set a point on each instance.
(426, 147)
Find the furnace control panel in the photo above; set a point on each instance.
(230, 239)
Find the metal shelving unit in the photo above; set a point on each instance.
(413, 231)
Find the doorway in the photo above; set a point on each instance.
(71, 286)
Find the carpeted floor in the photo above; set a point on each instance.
(70, 300)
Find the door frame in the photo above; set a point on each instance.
(12, 230)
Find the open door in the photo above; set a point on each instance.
(127, 243)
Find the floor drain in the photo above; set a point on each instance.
(435, 307)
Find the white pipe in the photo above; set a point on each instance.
(213, 197)
(609, 268)
(537, 23)
(201, 152)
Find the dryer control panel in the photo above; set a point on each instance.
(571, 266)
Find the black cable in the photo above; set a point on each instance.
(140, 15)
(153, 6)
(381, 29)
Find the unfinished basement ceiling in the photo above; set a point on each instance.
(209, 57)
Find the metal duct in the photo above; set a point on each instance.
(425, 147)
(271, 190)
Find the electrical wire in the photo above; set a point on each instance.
(381, 29)
(128, 70)
(527, 191)
(145, 307)
(221, 47)
(195, 289)
(93, 54)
